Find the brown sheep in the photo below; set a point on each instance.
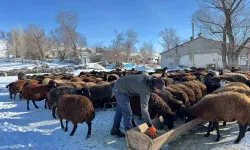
(236, 84)
(90, 84)
(230, 88)
(195, 88)
(157, 107)
(202, 86)
(16, 87)
(223, 107)
(170, 99)
(178, 93)
(189, 92)
(188, 78)
(77, 109)
(35, 92)
(88, 79)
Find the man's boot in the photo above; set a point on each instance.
(117, 132)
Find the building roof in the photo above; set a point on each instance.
(247, 46)
(189, 42)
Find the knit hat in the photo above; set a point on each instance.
(159, 83)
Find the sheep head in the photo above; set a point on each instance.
(86, 92)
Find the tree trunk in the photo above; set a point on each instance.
(224, 50)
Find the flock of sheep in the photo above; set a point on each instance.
(188, 94)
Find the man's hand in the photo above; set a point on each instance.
(152, 132)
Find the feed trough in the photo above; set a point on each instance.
(137, 139)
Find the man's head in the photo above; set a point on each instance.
(159, 84)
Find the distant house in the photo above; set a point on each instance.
(155, 58)
(199, 52)
(135, 58)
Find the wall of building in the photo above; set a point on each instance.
(205, 51)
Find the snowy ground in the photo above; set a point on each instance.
(36, 129)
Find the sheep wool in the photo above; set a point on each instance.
(77, 109)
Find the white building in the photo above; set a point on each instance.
(198, 53)
(155, 58)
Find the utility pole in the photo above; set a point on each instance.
(193, 28)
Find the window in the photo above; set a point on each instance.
(242, 60)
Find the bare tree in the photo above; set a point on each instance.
(146, 51)
(129, 43)
(229, 21)
(15, 42)
(68, 22)
(116, 46)
(168, 38)
(37, 42)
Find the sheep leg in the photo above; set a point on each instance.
(89, 129)
(54, 112)
(14, 96)
(74, 129)
(62, 126)
(209, 129)
(35, 104)
(20, 96)
(241, 133)
(45, 106)
(28, 101)
(216, 125)
(224, 123)
(66, 129)
(104, 106)
(244, 130)
(10, 95)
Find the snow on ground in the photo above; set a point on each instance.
(5, 66)
(36, 129)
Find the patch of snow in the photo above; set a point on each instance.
(36, 129)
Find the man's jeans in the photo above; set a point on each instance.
(123, 109)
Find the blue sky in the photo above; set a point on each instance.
(99, 18)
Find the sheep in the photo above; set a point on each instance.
(157, 107)
(222, 107)
(178, 93)
(174, 103)
(237, 84)
(188, 78)
(113, 77)
(77, 109)
(195, 88)
(211, 84)
(90, 84)
(230, 88)
(17, 87)
(35, 92)
(21, 76)
(202, 86)
(55, 94)
(100, 93)
(189, 92)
